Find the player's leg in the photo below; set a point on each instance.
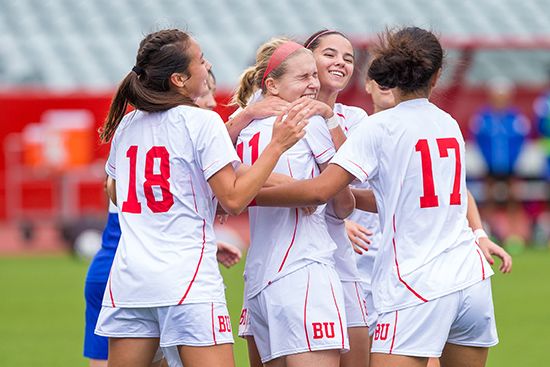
(433, 362)
(463, 356)
(357, 321)
(359, 348)
(220, 355)
(392, 360)
(320, 358)
(245, 332)
(253, 354)
(135, 352)
(98, 363)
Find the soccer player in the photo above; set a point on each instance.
(294, 297)
(335, 60)
(168, 160)
(95, 346)
(428, 269)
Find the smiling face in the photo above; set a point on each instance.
(335, 62)
(300, 78)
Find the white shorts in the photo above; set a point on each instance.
(356, 307)
(303, 311)
(195, 324)
(372, 315)
(244, 321)
(465, 317)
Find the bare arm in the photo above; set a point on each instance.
(472, 214)
(365, 200)
(343, 202)
(488, 247)
(314, 191)
(338, 137)
(235, 193)
(111, 189)
(274, 178)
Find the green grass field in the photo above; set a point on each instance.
(42, 311)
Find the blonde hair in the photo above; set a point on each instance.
(251, 79)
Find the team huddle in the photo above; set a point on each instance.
(366, 247)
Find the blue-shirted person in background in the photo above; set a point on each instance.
(500, 131)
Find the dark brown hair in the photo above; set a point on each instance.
(315, 39)
(407, 59)
(147, 86)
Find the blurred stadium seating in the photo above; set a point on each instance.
(67, 44)
(69, 54)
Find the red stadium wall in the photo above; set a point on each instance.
(21, 107)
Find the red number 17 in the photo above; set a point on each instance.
(429, 199)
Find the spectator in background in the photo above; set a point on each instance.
(542, 112)
(500, 131)
(541, 107)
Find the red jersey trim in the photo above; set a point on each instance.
(394, 330)
(323, 152)
(213, 331)
(111, 293)
(291, 243)
(482, 265)
(289, 168)
(199, 263)
(305, 314)
(358, 166)
(397, 267)
(363, 311)
(211, 164)
(339, 316)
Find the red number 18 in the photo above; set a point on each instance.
(132, 205)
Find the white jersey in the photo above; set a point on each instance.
(344, 256)
(283, 240)
(365, 261)
(161, 162)
(351, 117)
(413, 155)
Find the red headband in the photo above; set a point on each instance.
(320, 35)
(280, 55)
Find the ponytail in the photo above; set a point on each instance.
(246, 87)
(159, 56)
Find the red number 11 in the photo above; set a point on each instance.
(429, 199)
(254, 145)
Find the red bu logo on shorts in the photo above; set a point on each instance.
(225, 324)
(381, 332)
(243, 319)
(323, 330)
